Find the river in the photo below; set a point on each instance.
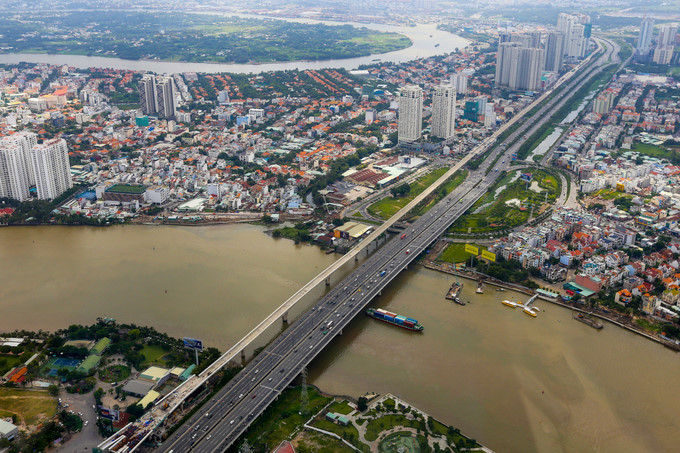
(424, 37)
(516, 383)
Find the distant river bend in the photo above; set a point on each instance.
(425, 38)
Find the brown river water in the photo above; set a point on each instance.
(515, 383)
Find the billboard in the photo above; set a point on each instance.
(192, 343)
(526, 177)
(487, 255)
(472, 249)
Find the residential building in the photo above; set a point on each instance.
(667, 34)
(554, 51)
(16, 172)
(443, 111)
(663, 55)
(645, 37)
(459, 81)
(157, 96)
(410, 113)
(165, 97)
(51, 167)
(519, 67)
(147, 94)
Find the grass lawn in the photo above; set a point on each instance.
(358, 215)
(349, 433)
(282, 418)
(7, 362)
(457, 253)
(378, 425)
(657, 151)
(387, 207)
(114, 373)
(340, 407)
(30, 406)
(153, 355)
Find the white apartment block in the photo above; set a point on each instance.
(410, 113)
(16, 172)
(51, 168)
(444, 111)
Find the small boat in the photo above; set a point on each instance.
(436, 45)
(500, 289)
(480, 288)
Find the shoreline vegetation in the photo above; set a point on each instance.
(191, 38)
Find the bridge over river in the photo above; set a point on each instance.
(224, 418)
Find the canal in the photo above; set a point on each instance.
(514, 382)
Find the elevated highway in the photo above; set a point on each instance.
(223, 419)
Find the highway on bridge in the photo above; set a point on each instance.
(224, 418)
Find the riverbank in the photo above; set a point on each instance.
(625, 322)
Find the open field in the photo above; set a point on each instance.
(30, 406)
(658, 151)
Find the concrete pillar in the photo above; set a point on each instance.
(284, 318)
(328, 281)
(356, 258)
(243, 355)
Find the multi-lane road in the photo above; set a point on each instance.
(225, 417)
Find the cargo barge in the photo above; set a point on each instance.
(454, 293)
(588, 321)
(395, 319)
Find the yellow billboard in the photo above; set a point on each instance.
(488, 255)
(472, 249)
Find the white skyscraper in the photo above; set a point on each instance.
(459, 82)
(444, 111)
(554, 51)
(13, 182)
(51, 168)
(16, 172)
(645, 38)
(410, 113)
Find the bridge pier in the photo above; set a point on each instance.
(356, 258)
(328, 281)
(243, 355)
(284, 318)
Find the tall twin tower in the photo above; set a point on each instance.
(25, 163)
(157, 96)
(522, 57)
(411, 112)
